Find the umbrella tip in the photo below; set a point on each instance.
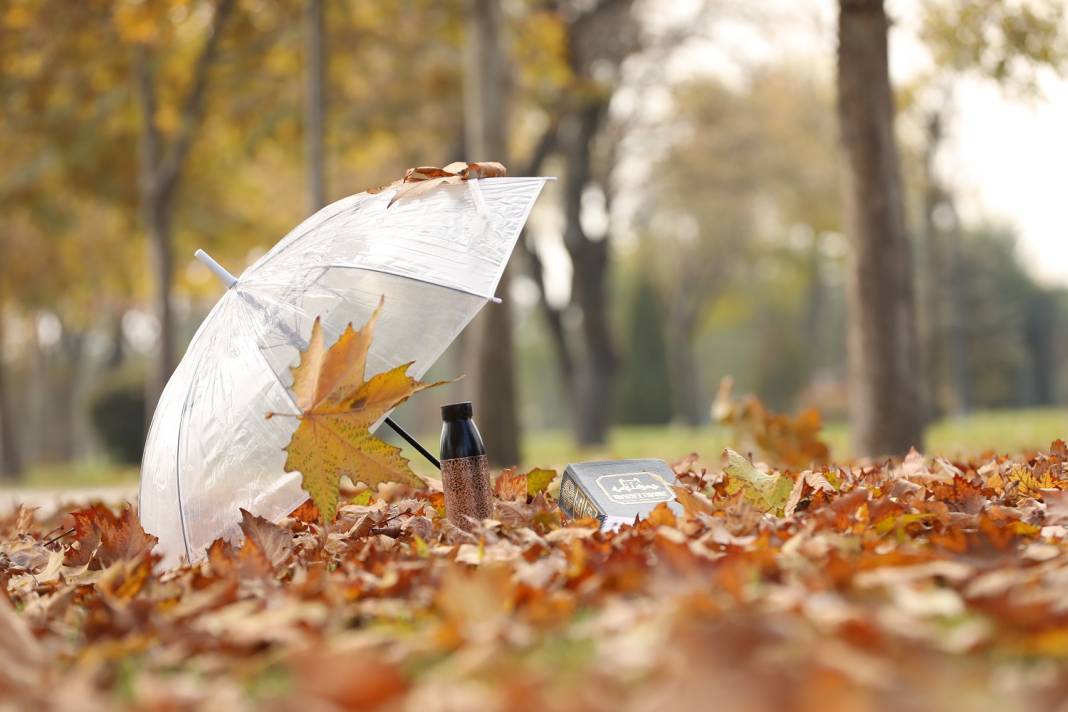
(225, 277)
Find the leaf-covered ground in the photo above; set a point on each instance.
(922, 584)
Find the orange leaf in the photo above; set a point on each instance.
(662, 516)
(307, 512)
(104, 538)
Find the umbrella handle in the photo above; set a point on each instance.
(413, 442)
(225, 277)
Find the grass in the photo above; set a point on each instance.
(84, 473)
(1003, 431)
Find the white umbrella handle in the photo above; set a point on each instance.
(225, 277)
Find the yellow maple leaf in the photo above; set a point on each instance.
(338, 406)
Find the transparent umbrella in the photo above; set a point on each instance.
(436, 257)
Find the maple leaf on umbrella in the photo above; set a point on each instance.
(422, 179)
(338, 407)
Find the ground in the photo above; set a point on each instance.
(915, 584)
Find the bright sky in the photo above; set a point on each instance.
(1007, 157)
(1010, 160)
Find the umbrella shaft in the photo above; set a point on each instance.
(413, 442)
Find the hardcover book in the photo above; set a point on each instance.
(616, 491)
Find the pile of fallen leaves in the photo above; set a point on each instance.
(921, 584)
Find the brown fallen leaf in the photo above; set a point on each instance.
(275, 542)
(248, 562)
(784, 440)
(510, 485)
(22, 661)
(307, 512)
(1056, 506)
(125, 578)
(266, 547)
(694, 503)
(346, 680)
(104, 538)
(24, 517)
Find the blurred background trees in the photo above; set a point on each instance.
(697, 229)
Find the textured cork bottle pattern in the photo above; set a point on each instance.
(468, 495)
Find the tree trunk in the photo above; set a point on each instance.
(547, 145)
(931, 295)
(681, 326)
(958, 340)
(886, 410)
(589, 258)
(10, 455)
(816, 300)
(33, 415)
(157, 219)
(554, 321)
(315, 103)
(489, 359)
(64, 388)
(117, 352)
(161, 164)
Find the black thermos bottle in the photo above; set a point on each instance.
(464, 470)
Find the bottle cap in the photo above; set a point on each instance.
(457, 411)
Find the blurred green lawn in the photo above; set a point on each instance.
(85, 473)
(1002, 431)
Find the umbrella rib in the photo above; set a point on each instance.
(178, 468)
(178, 452)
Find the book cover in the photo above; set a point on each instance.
(616, 491)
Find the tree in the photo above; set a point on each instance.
(645, 386)
(70, 192)
(10, 455)
(743, 175)
(62, 257)
(597, 43)
(489, 358)
(1013, 323)
(315, 103)
(589, 259)
(701, 220)
(1008, 44)
(886, 406)
(162, 162)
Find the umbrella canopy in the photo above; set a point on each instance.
(436, 258)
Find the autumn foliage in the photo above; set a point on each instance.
(920, 584)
